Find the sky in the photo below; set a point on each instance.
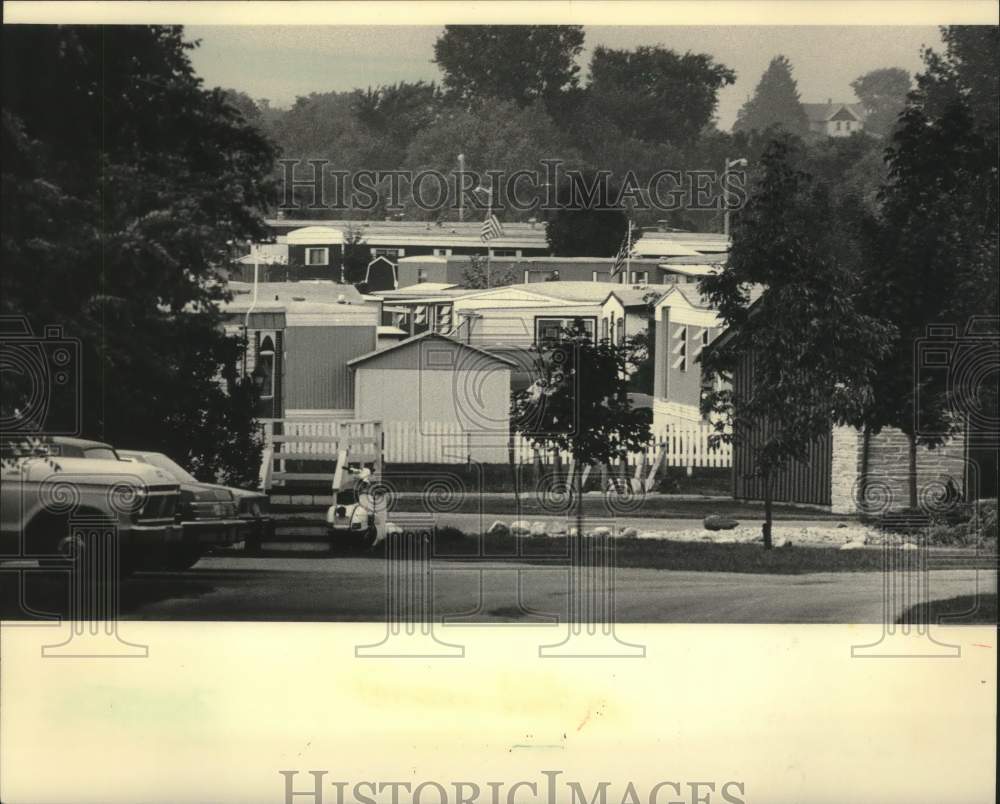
(281, 63)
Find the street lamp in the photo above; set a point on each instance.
(730, 163)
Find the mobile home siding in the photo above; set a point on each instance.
(806, 482)
(316, 374)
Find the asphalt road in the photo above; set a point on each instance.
(324, 588)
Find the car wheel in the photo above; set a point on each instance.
(178, 559)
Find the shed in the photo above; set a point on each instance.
(434, 387)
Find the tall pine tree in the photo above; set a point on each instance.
(775, 102)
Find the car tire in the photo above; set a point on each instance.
(180, 558)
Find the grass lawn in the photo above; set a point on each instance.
(661, 506)
(963, 610)
(670, 555)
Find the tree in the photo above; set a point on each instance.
(883, 94)
(354, 263)
(117, 228)
(496, 136)
(654, 94)
(579, 403)
(809, 351)
(775, 102)
(392, 114)
(935, 243)
(480, 275)
(518, 63)
(588, 221)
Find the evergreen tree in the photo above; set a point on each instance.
(775, 102)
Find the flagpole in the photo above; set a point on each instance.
(489, 251)
(628, 255)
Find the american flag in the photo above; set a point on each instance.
(624, 253)
(491, 228)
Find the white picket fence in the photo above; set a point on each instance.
(447, 442)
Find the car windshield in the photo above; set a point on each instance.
(161, 461)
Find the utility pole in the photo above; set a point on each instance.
(741, 162)
(628, 254)
(458, 187)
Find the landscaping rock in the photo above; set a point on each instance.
(908, 546)
(520, 527)
(392, 529)
(539, 529)
(498, 528)
(629, 533)
(600, 531)
(852, 546)
(781, 541)
(720, 522)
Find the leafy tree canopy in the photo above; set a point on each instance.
(883, 93)
(518, 63)
(117, 226)
(655, 94)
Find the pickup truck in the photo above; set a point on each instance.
(50, 496)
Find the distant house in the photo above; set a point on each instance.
(626, 312)
(835, 119)
(685, 324)
(316, 247)
(526, 270)
(445, 389)
(688, 270)
(300, 337)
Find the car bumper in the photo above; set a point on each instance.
(212, 531)
(139, 534)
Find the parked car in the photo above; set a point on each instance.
(202, 504)
(50, 499)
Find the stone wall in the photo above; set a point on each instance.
(888, 469)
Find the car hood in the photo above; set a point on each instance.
(94, 472)
(239, 494)
(207, 491)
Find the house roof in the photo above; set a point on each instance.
(429, 335)
(693, 270)
(699, 259)
(822, 112)
(570, 291)
(315, 290)
(635, 297)
(404, 233)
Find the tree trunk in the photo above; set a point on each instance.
(866, 444)
(578, 493)
(912, 471)
(768, 494)
(514, 471)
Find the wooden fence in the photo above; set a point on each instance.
(446, 442)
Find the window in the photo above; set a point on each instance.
(604, 329)
(706, 337)
(421, 275)
(442, 252)
(640, 277)
(838, 125)
(264, 371)
(317, 256)
(505, 252)
(620, 331)
(680, 348)
(551, 329)
(389, 253)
